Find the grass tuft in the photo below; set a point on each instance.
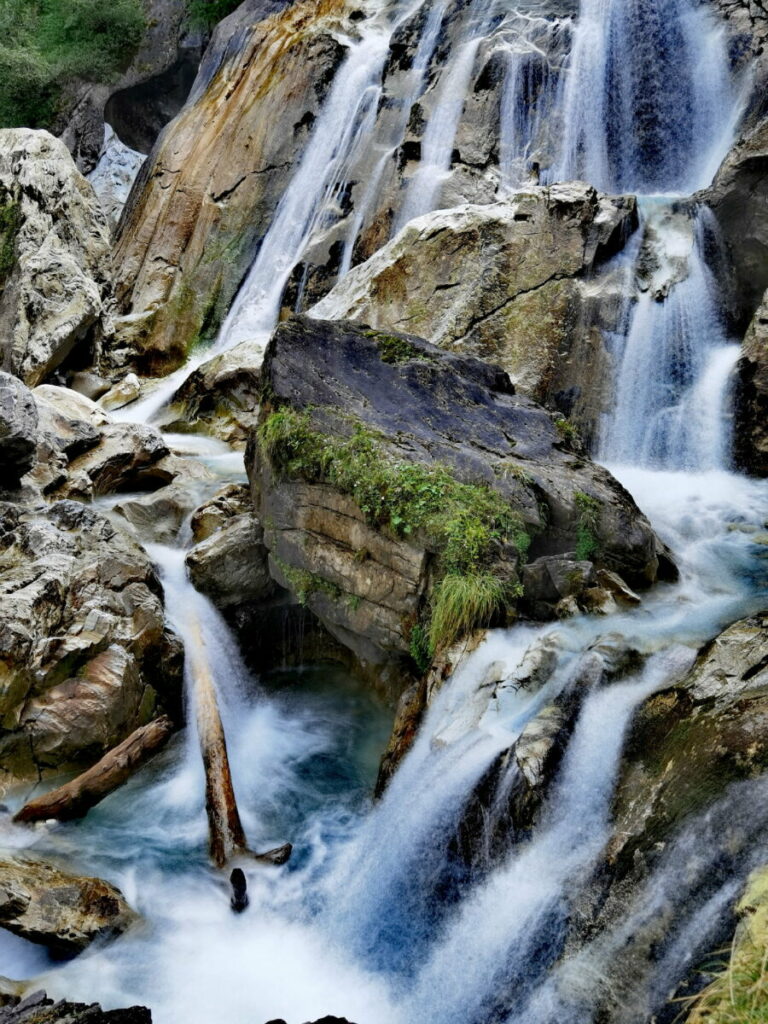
(462, 603)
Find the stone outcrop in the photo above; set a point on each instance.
(500, 281)
(427, 408)
(18, 429)
(86, 656)
(751, 405)
(55, 279)
(166, 59)
(65, 912)
(113, 176)
(689, 742)
(739, 200)
(204, 197)
(37, 1008)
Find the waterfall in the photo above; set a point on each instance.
(647, 104)
(377, 917)
(675, 361)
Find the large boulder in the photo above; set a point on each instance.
(499, 281)
(230, 566)
(751, 406)
(383, 464)
(86, 657)
(55, 277)
(65, 912)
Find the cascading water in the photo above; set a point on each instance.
(376, 918)
(671, 407)
(648, 104)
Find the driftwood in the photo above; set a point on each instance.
(74, 799)
(226, 836)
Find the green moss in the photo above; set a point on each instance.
(588, 512)
(466, 525)
(393, 349)
(304, 583)
(10, 222)
(46, 43)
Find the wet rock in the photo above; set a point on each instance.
(230, 566)
(232, 500)
(65, 912)
(125, 391)
(428, 407)
(751, 406)
(159, 516)
(18, 429)
(221, 397)
(202, 200)
(86, 657)
(739, 200)
(689, 742)
(127, 457)
(55, 294)
(499, 281)
(38, 1009)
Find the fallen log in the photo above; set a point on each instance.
(74, 799)
(226, 836)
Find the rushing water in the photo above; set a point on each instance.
(375, 917)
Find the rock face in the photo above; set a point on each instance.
(751, 423)
(55, 269)
(163, 49)
(86, 657)
(739, 199)
(64, 912)
(190, 231)
(18, 429)
(426, 408)
(113, 176)
(499, 281)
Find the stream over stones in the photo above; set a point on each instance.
(391, 443)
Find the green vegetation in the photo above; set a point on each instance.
(587, 542)
(466, 524)
(10, 221)
(567, 431)
(739, 993)
(393, 349)
(461, 602)
(206, 13)
(45, 43)
(304, 583)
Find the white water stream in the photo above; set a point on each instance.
(373, 918)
